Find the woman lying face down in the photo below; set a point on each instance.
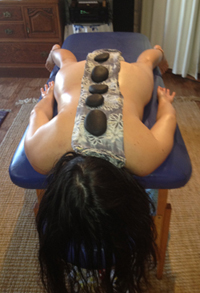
(94, 215)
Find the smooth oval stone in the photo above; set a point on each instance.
(94, 100)
(102, 57)
(99, 73)
(98, 88)
(96, 122)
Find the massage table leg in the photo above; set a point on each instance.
(40, 193)
(162, 222)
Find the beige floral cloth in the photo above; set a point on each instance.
(110, 145)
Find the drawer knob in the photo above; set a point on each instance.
(7, 14)
(44, 54)
(8, 31)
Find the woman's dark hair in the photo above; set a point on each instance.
(94, 216)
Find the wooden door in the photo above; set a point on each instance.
(41, 22)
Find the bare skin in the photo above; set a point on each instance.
(48, 137)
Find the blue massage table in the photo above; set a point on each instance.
(173, 173)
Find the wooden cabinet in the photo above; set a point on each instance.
(28, 30)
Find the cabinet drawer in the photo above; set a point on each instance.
(24, 53)
(9, 30)
(10, 13)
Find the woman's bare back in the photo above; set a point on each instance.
(131, 80)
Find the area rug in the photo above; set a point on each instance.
(3, 114)
(18, 237)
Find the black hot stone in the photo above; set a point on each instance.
(98, 88)
(96, 122)
(99, 73)
(102, 57)
(94, 100)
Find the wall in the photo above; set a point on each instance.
(137, 16)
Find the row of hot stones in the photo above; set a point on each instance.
(96, 120)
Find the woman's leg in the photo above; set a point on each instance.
(146, 62)
(154, 57)
(59, 57)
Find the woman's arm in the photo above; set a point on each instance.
(164, 128)
(43, 111)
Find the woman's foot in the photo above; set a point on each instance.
(165, 93)
(163, 65)
(49, 62)
(48, 90)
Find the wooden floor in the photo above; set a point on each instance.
(11, 91)
(14, 89)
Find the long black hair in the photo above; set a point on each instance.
(94, 216)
